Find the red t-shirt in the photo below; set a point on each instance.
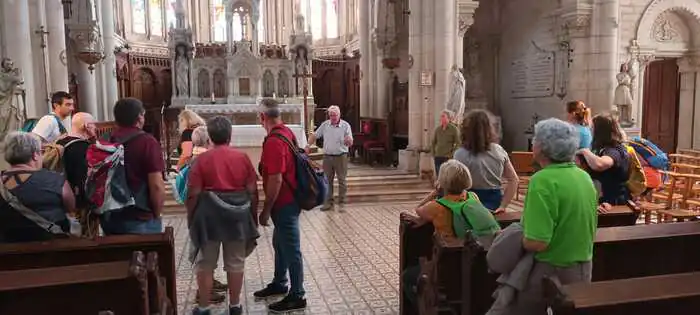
(222, 169)
(278, 159)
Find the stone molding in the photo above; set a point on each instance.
(465, 15)
(576, 21)
(645, 31)
(689, 63)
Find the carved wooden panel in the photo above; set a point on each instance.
(244, 86)
(660, 106)
(219, 83)
(268, 84)
(283, 84)
(144, 87)
(203, 89)
(336, 82)
(399, 108)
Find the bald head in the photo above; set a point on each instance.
(83, 124)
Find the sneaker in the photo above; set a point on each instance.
(198, 311)
(219, 287)
(214, 298)
(270, 291)
(235, 310)
(289, 303)
(327, 207)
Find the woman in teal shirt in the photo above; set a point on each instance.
(579, 115)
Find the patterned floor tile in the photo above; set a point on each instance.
(350, 262)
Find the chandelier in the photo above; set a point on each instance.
(87, 37)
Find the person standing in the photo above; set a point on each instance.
(57, 123)
(278, 170)
(337, 138)
(578, 114)
(445, 140)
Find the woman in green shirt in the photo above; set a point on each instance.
(559, 217)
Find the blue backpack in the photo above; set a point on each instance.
(180, 185)
(650, 152)
(312, 185)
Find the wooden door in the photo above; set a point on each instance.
(660, 104)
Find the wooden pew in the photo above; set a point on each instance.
(67, 252)
(677, 294)
(118, 286)
(159, 303)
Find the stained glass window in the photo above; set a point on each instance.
(138, 16)
(219, 17)
(156, 10)
(170, 14)
(331, 18)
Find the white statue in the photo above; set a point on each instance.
(456, 100)
(10, 87)
(183, 72)
(623, 94)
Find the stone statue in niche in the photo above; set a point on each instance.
(623, 95)
(182, 74)
(10, 87)
(456, 100)
(475, 89)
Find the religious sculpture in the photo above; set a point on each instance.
(456, 100)
(623, 95)
(183, 72)
(10, 87)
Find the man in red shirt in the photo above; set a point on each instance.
(226, 173)
(143, 160)
(278, 169)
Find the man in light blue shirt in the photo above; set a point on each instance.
(337, 138)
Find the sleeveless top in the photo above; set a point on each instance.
(470, 215)
(42, 192)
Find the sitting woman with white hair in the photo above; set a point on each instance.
(27, 190)
(559, 217)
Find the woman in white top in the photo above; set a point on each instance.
(487, 161)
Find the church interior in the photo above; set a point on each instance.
(392, 67)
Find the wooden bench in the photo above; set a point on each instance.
(676, 294)
(67, 252)
(619, 253)
(119, 287)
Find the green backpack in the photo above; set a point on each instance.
(470, 215)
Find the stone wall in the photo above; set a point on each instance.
(528, 31)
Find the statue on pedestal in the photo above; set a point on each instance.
(182, 74)
(623, 95)
(10, 86)
(456, 100)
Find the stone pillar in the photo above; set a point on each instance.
(110, 62)
(229, 32)
(687, 132)
(56, 42)
(365, 44)
(445, 31)
(324, 19)
(18, 39)
(409, 158)
(87, 88)
(606, 66)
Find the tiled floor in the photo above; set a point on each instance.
(350, 262)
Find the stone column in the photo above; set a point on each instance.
(18, 39)
(365, 44)
(324, 19)
(110, 62)
(87, 89)
(229, 32)
(445, 31)
(409, 158)
(382, 90)
(688, 68)
(56, 42)
(606, 66)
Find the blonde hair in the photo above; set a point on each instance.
(189, 120)
(454, 177)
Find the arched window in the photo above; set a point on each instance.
(170, 14)
(155, 8)
(138, 16)
(219, 21)
(331, 18)
(203, 84)
(268, 84)
(219, 83)
(283, 84)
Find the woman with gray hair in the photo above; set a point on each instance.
(200, 141)
(559, 217)
(44, 192)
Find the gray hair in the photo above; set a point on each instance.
(454, 177)
(270, 107)
(334, 109)
(450, 114)
(21, 146)
(558, 140)
(200, 137)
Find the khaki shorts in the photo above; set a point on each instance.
(235, 253)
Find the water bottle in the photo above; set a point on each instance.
(75, 228)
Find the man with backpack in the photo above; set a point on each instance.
(57, 123)
(278, 169)
(143, 167)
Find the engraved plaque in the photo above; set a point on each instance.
(533, 75)
(426, 78)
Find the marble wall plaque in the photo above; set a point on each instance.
(533, 75)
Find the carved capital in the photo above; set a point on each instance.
(465, 21)
(577, 25)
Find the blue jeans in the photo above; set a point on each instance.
(286, 242)
(490, 198)
(113, 226)
(439, 160)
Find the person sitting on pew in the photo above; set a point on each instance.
(452, 216)
(559, 216)
(222, 204)
(44, 192)
(610, 164)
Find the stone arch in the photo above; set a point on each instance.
(219, 83)
(690, 10)
(268, 84)
(203, 86)
(283, 84)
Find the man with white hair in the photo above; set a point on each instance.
(337, 138)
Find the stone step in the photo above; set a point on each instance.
(354, 197)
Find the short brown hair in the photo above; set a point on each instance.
(477, 131)
(606, 132)
(580, 111)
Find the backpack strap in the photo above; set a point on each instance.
(14, 202)
(461, 211)
(61, 127)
